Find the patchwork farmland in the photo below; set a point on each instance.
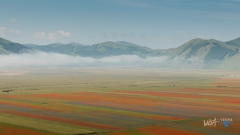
(118, 102)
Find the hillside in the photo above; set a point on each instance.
(204, 49)
(99, 50)
(200, 53)
(57, 48)
(8, 47)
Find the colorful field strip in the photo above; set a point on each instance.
(7, 129)
(122, 112)
(55, 127)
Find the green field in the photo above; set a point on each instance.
(118, 101)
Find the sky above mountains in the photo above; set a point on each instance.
(151, 23)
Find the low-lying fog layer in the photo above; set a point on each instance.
(43, 59)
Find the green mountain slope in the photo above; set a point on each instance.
(97, 50)
(204, 50)
(114, 48)
(8, 47)
(57, 48)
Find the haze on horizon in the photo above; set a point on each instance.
(154, 24)
(40, 59)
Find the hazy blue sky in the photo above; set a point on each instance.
(152, 23)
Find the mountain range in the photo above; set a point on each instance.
(196, 53)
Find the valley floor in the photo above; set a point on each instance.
(110, 101)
